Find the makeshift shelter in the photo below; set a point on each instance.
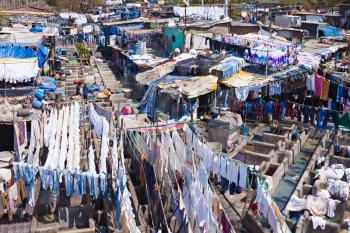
(18, 64)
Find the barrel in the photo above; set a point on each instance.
(37, 104)
(39, 94)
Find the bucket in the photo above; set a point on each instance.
(37, 104)
(137, 49)
(245, 130)
(39, 94)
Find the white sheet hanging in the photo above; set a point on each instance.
(19, 71)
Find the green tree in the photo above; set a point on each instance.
(310, 4)
(74, 5)
(332, 2)
(288, 2)
(51, 2)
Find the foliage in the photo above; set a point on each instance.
(74, 5)
(288, 2)
(51, 2)
(310, 4)
(332, 2)
(82, 50)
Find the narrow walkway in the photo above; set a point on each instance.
(291, 179)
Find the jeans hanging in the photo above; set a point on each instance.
(309, 115)
(56, 182)
(225, 184)
(29, 174)
(322, 119)
(284, 110)
(94, 190)
(81, 183)
(103, 183)
(69, 182)
(43, 174)
(16, 172)
(335, 118)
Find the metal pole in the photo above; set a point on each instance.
(268, 44)
(185, 15)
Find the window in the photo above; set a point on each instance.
(173, 38)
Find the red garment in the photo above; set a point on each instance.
(259, 110)
(276, 111)
(289, 110)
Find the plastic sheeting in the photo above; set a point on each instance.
(197, 86)
(149, 99)
(16, 52)
(244, 79)
(37, 29)
(328, 31)
(18, 64)
(114, 2)
(21, 38)
(43, 52)
(157, 72)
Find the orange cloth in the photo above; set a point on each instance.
(325, 89)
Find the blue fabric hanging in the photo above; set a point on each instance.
(43, 52)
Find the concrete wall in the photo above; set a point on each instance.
(306, 227)
(343, 140)
(253, 158)
(173, 38)
(275, 178)
(242, 30)
(273, 138)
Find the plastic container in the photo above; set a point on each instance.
(37, 104)
(245, 130)
(39, 94)
(47, 87)
(48, 79)
(137, 49)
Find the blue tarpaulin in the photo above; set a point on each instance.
(327, 31)
(18, 52)
(43, 52)
(130, 15)
(149, 99)
(37, 29)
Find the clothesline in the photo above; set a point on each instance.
(155, 126)
(316, 107)
(144, 172)
(255, 49)
(347, 81)
(163, 177)
(260, 178)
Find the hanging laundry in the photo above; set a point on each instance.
(339, 97)
(318, 222)
(325, 89)
(318, 85)
(333, 89)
